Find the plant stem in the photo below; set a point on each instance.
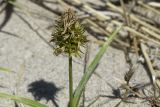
(70, 82)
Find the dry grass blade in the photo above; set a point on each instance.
(154, 4)
(133, 17)
(147, 13)
(148, 7)
(90, 10)
(151, 33)
(138, 34)
(125, 13)
(105, 32)
(149, 64)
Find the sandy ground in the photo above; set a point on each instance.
(38, 74)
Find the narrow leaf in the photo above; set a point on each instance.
(22, 100)
(15, 4)
(4, 69)
(91, 67)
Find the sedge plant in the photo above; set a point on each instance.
(68, 38)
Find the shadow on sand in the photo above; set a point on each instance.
(44, 90)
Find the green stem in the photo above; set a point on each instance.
(70, 82)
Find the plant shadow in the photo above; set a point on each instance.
(44, 90)
(9, 9)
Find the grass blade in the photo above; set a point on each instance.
(15, 3)
(91, 67)
(4, 69)
(22, 100)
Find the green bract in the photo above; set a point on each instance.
(68, 35)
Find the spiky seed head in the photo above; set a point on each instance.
(68, 35)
